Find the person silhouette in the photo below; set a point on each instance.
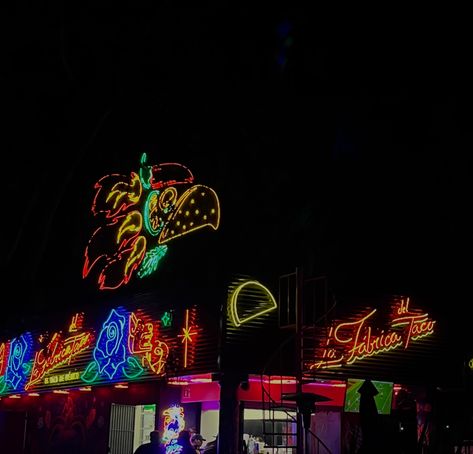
(153, 447)
(184, 440)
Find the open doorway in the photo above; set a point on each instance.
(130, 426)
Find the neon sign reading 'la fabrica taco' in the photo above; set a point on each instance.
(352, 341)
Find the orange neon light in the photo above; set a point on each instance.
(143, 340)
(352, 341)
(76, 322)
(4, 351)
(57, 353)
(186, 335)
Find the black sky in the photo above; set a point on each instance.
(344, 152)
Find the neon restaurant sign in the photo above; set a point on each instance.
(139, 215)
(128, 345)
(250, 300)
(355, 340)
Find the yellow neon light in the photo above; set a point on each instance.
(237, 321)
(130, 227)
(123, 190)
(186, 218)
(353, 341)
(470, 364)
(139, 248)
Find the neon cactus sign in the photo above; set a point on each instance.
(140, 214)
(352, 341)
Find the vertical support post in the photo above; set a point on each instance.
(299, 324)
(229, 423)
(25, 431)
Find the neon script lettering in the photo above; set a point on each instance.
(352, 341)
(57, 353)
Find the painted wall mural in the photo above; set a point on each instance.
(127, 345)
(140, 215)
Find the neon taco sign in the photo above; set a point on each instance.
(139, 215)
(355, 340)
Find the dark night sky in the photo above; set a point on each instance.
(342, 153)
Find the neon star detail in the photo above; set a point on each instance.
(186, 336)
(166, 319)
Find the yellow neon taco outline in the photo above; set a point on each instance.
(234, 300)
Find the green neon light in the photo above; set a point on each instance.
(145, 179)
(151, 260)
(133, 368)
(237, 321)
(91, 373)
(148, 225)
(3, 384)
(166, 319)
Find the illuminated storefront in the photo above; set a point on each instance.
(106, 376)
(108, 373)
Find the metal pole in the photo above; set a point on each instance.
(299, 284)
(25, 431)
